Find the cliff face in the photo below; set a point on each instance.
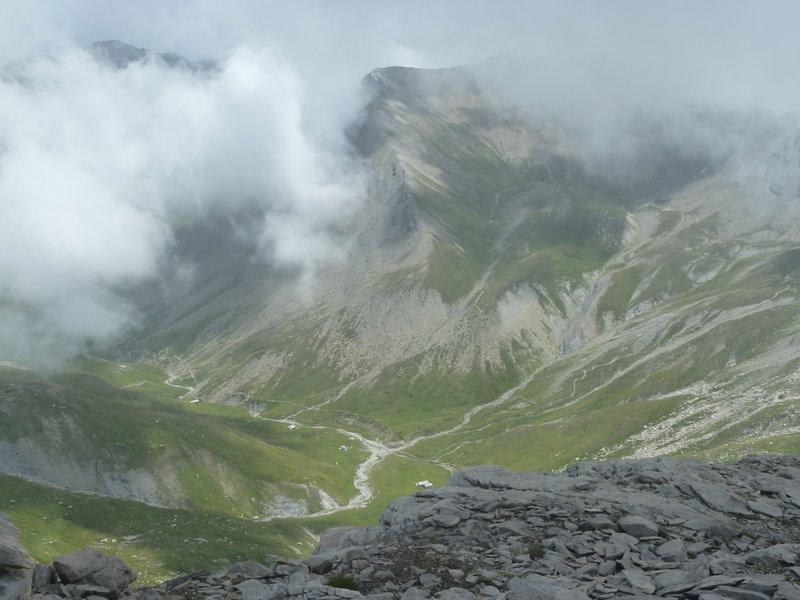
(623, 529)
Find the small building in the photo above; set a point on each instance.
(292, 427)
(424, 484)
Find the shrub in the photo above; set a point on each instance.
(343, 581)
(535, 550)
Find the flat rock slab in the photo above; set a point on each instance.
(721, 499)
(638, 527)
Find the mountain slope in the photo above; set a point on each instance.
(501, 300)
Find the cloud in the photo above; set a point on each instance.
(98, 164)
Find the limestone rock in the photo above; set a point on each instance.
(16, 565)
(638, 527)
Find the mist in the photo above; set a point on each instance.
(98, 165)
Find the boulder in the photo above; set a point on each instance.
(638, 527)
(16, 565)
(90, 567)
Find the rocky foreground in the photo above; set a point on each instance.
(626, 529)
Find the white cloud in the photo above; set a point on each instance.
(98, 163)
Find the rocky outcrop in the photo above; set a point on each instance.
(640, 530)
(16, 565)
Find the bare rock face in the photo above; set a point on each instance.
(16, 565)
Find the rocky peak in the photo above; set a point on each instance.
(118, 53)
(121, 55)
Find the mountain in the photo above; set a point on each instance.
(120, 55)
(505, 298)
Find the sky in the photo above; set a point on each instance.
(97, 164)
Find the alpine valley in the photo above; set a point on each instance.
(507, 295)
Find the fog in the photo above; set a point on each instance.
(98, 165)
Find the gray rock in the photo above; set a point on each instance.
(673, 551)
(252, 589)
(601, 522)
(765, 508)
(86, 591)
(248, 569)
(455, 594)
(638, 527)
(319, 564)
(639, 581)
(721, 499)
(414, 593)
(444, 520)
(787, 591)
(674, 582)
(16, 565)
(773, 556)
(623, 539)
(766, 584)
(606, 568)
(715, 581)
(429, 580)
(90, 566)
(12, 554)
(516, 527)
(43, 575)
(541, 588)
(77, 565)
(740, 593)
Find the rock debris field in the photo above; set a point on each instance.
(634, 529)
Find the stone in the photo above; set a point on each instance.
(248, 569)
(672, 551)
(16, 565)
(455, 593)
(415, 593)
(606, 568)
(737, 593)
(765, 508)
(541, 588)
(773, 556)
(77, 565)
(253, 589)
(445, 521)
(638, 527)
(601, 522)
(639, 581)
(721, 499)
(718, 580)
(429, 580)
(672, 583)
(319, 564)
(90, 567)
(43, 575)
(787, 591)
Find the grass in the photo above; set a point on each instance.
(156, 542)
(617, 296)
(407, 403)
(224, 459)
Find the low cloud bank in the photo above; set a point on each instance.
(98, 164)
